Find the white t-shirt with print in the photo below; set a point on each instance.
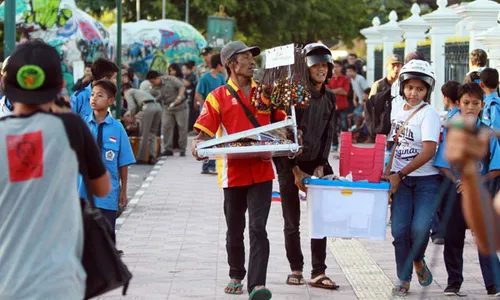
(423, 127)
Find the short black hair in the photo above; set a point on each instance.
(153, 74)
(127, 86)
(215, 61)
(471, 88)
(190, 65)
(350, 67)
(367, 91)
(108, 86)
(353, 54)
(103, 67)
(88, 65)
(489, 77)
(337, 62)
(450, 90)
(478, 57)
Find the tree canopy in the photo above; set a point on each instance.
(271, 23)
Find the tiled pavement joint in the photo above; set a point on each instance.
(365, 276)
(138, 195)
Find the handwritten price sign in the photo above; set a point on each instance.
(280, 56)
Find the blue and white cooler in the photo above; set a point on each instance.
(347, 209)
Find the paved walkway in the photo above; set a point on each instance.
(173, 236)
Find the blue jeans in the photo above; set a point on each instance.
(412, 210)
(208, 165)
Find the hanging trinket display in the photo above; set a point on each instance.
(284, 86)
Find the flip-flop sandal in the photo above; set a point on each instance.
(401, 290)
(422, 275)
(298, 277)
(238, 288)
(261, 294)
(320, 283)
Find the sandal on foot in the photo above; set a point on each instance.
(237, 289)
(320, 283)
(260, 294)
(401, 290)
(295, 279)
(421, 276)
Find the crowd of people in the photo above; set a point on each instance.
(426, 189)
(433, 175)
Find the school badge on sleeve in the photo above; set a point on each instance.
(25, 156)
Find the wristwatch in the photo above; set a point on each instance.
(401, 175)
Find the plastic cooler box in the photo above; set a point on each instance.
(347, 209)
(363, 163)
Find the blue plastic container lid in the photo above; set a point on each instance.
(384, 185)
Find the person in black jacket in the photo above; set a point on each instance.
(316, 122)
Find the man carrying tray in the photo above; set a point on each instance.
(317, 124)
(247, 183)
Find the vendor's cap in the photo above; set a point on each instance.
(395, 59)
(206, 51)
(34, 74)
(236, 47)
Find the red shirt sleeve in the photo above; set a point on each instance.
(209, 119)
(279, 115)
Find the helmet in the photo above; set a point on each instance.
(317, 53)
(417, 69)
(4, 66)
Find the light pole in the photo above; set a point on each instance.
(118, 57)
(163, 8)
(138, 9)
(9, 31)
(187, 11)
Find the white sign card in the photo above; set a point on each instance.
(280, 56)
(78, 70)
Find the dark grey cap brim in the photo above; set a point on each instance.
(254, 50)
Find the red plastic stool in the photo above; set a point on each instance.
(363, 163)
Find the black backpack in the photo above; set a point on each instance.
(378, 113)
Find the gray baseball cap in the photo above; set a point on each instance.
(236, 47)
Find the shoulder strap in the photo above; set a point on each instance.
(393, 151)
(408, 120)
(248, 113)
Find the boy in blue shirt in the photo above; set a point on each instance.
(209, 82)
(102, 68)
(450, 98)
(491, 111)
(470, 103)
(114, 144)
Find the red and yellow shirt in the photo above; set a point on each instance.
(223, 115)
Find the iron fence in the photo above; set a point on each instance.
(456, 61)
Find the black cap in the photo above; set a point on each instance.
(33, 74)
(206, 51)
(235, 47)
(414, 55)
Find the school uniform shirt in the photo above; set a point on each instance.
(488, 164)
(80, 102)
(116, 152)
(223, 115)
(491, 111)
(41, 232)
(6, 107)
(424, 126)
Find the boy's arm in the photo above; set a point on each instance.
(449, 174)
(123, 201)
